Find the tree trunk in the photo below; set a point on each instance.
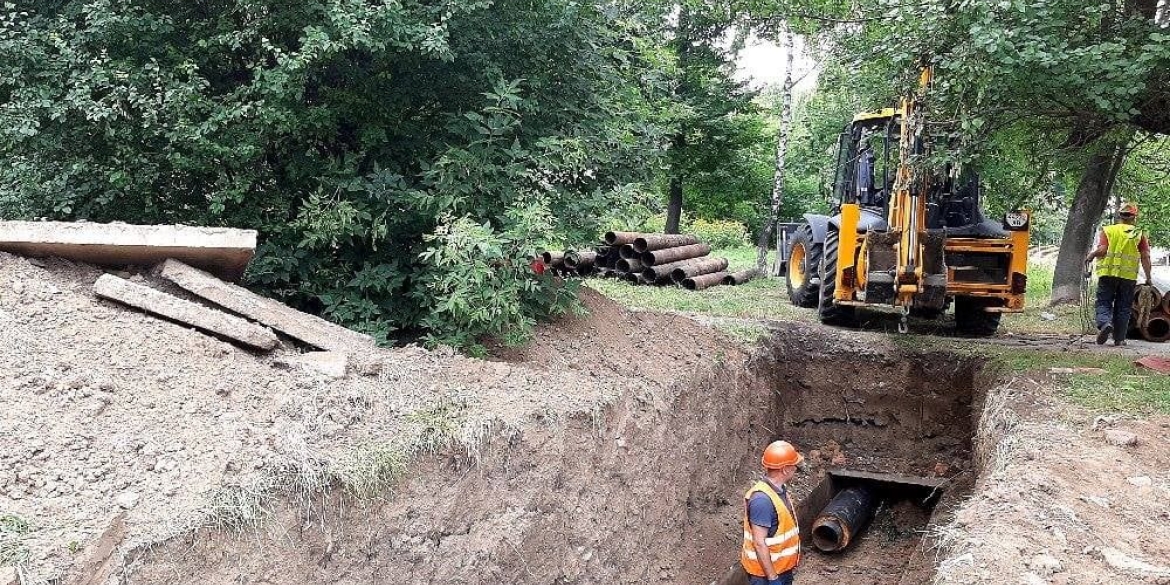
(674, 206)
(772, 220)
(1089, 203)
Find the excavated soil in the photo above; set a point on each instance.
(648, 488)
(614, 449)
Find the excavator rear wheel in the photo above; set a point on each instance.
(804, 265)
(829, 312)
(971, 319)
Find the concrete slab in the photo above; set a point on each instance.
(172, 307)
(222, 251)
(310, 329)
(9, 576)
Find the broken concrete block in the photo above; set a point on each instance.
(9, 576)
(331, 363)
(169, 306)
(222, 251)
(308, 328)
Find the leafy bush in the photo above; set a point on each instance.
(719, 233)
(482, 284)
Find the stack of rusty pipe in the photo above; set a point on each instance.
(1151, 314)
(642, 258)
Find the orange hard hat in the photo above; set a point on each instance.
(1128, 208)
(780, 454)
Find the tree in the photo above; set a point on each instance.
(712, 114)
(773, 217)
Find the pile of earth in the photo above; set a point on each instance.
(107, 410)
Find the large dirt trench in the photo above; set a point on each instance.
(647, 489)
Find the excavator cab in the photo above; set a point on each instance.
(906, 236)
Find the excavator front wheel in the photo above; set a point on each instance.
(828, 311)
(804, 264)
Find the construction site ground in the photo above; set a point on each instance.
(615, 448)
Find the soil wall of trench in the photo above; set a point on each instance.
(649, 489)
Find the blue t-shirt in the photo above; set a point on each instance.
(761, 512)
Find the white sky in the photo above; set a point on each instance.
(762, 63)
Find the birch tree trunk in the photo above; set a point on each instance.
(772, 219)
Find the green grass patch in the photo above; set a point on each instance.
(1123, 387)
(1069, 319)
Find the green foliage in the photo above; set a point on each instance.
(718, 233)
(1144, 180)
(359, 139)
(482, 282)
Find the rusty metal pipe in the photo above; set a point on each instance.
(623, 238)
(738, 278)
(845, 516)
(659, 242)
(627, 252)
(704, 281)
(1157, 328)
(1166, 303)
(633, 278)
(698, 268)
(553, 258)
(580, 259)
(660, 281)
(663, 270)
(630, 265)
(675, 254)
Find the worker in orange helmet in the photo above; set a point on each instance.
(771, 539)
(1121, 248)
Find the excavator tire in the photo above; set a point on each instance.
(828, 312)
(971, 319)
(803, 263)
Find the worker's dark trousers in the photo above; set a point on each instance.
(785, 579)
(1115, 303)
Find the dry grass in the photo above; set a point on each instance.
(12, 551)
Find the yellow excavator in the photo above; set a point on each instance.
(906, 238)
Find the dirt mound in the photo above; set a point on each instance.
(611, 340)
(1059, 501)
(107, 410)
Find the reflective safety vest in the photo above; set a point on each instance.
(1122, 258)
(783, 547)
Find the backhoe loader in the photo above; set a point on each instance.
(906, 238)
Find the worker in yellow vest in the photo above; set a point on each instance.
(1120, 249)
(771, 538)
